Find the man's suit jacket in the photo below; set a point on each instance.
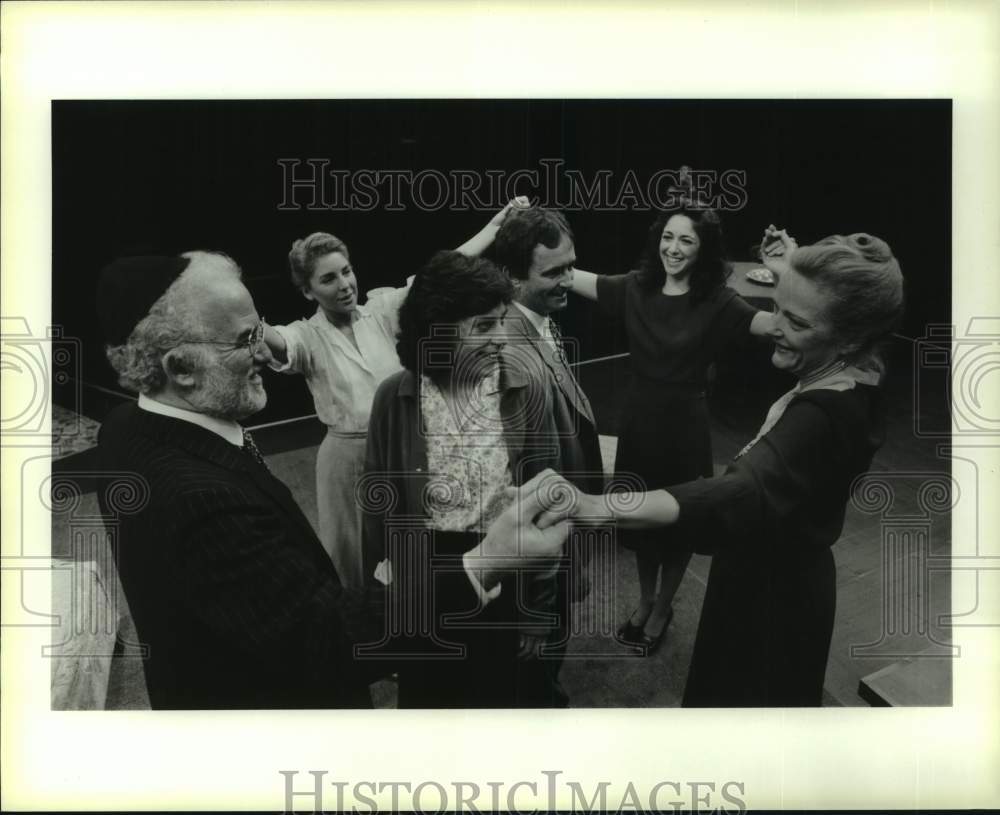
(579, 446)
(225, 578)
(580, 449)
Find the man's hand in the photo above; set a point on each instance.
(515, 539)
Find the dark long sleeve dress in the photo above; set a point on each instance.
(769, 522)
(664, 435)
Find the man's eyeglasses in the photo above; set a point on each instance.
(252, 343)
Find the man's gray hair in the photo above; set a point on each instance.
(139, 361)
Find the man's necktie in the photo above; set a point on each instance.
(557, 340)
(583, 404)
(250, 448)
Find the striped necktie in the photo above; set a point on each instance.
(582, 403)
(557, 340)
(251, 449)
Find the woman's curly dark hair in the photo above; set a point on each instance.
(710, 270)
(449, 288)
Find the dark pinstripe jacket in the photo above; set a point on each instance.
(225, 578)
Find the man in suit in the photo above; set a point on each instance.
(535, 246)
(226, 580)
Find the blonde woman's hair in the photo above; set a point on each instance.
(865, 285)
(304, 254)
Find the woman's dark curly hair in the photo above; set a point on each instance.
(710, 270)
(449, 288)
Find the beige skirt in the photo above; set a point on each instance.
(340, 462)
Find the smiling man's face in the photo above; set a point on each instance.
(550, 277)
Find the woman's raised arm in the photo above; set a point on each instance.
(585, 284)
(275, 344)
(774, 251)
(479, 242)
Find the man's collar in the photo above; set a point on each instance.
(229, 430)
(537, 320)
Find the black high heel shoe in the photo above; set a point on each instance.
(651, 644)
(628, 633)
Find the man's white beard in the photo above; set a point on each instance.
(226, 395)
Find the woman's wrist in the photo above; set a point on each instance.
(643, 510)
(484, 566)
(594, 509)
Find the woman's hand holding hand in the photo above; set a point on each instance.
(559, 500)
(517, 537)
(775, 248)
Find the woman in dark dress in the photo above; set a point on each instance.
(679, 315)
(769, 521)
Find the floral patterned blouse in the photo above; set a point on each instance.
(467, 458)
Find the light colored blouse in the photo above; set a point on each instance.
(467, 458)
(343, 379)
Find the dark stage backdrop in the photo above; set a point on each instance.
(137, 176)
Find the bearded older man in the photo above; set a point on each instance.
(226, 580)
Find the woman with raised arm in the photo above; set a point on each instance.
(344, 351)
(770, 520)
(679, 316)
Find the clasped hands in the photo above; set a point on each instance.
(534, 526)
(775, 248)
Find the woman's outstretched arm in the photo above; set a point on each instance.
(479, 242)
(585, 284)
(276, 344)
(559, 500)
